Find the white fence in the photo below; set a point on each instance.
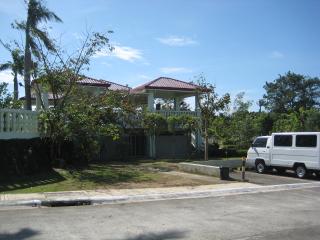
(168, 113)
(18, 123)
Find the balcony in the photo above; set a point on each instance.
(168, 113)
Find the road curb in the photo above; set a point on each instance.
(27, 203)
(95, 200)
(202, 194)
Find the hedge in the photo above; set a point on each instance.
(24, 156)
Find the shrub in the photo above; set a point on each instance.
(23, 156)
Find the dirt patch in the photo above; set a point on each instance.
(171, 179)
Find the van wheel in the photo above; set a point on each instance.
(260, 167)
(301, 171)
(317, 174)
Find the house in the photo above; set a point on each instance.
(140, 143)
(90, 84)
(167, 144)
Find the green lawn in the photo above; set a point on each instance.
(93, 177)
(136, 174)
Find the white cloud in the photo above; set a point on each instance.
(6, 76)
(276, 54)
(177, 41)
(145, 77)
(122, 52)
(168, 70)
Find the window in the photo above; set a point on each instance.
(260, 142)
(283, 140)
(306, 140)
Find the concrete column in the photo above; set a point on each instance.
(198, 139)
(152, 147)
(45, 100)
(151, 101)
(38, 101)
(198, 131)
(177, 102)
(196, 102)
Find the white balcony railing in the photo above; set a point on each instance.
(18, 123)
(168, 113)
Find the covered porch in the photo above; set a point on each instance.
(170, 97)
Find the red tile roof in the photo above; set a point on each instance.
(117, 87)
(87, 81)
(167, 84)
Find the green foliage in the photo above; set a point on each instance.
(291, 92)
(263, 123)
(209, 101)
(36, 39)
(238, 128)
(80, 115)
(23, 157)
(37, 13)
(210, 104)
(312, 122)
(84, 120)
(6, 98)
(184, 122)
(287, 123)
(16, 66)
(304, 120)
(154, 123)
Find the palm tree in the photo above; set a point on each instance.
(16, 66)
(37, 13)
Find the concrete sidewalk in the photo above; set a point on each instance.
(110, 196)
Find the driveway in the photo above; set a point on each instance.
(272, 178)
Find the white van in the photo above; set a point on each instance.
(299, 151)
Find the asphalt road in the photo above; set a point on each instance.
(292, 214)
(272, 178)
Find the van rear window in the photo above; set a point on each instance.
(260, 142)
(306, 140)
(283, 140)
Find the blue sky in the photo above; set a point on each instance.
(237, 44)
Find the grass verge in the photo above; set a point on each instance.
(98, 176)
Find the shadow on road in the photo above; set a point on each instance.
(24, 233)
(159, 236)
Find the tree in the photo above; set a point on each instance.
(16, 66)
(77, 115)
(291, 92)
(242, 122)
(312, 122)
(5, 97)
(34, 36)
(210, 104)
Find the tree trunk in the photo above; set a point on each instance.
(15, 87)
(27, 70)
(205, 140)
